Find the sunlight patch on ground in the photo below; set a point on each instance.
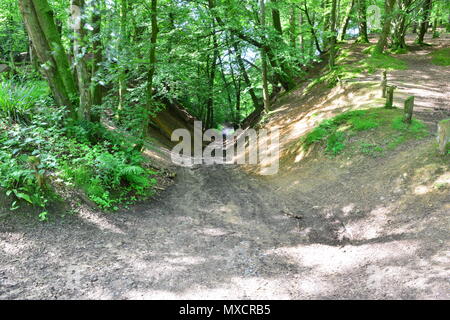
(13, 249)
(371, 226)
(331, 259)
(100, 222)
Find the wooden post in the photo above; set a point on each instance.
(383, 84)
(443, 136)
(409, 106)
(390, 96)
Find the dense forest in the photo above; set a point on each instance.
(214, 58)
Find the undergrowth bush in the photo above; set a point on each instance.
(41, 151)
(16, 99)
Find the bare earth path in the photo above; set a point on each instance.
(220, 233)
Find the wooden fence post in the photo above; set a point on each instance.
(409, 106)
(390, 96)
(383, 84)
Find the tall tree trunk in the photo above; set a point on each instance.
(293, 27)
(84, 79)
(312, 27)
(346, 20)
(326, 22)
(302, 38)
(51, 55)
(382, 41)
(122, 47)
(97, 48)
(266, 98)
(362, 21)
(152, 67)
(244, 73)
(48, 26)
(333, 36)
(276, 17)
(212, 77)
(400, 25)
(425, 21)
(237, 90)
(226, 83)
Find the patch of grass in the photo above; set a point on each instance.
(400, 51)
(370, 149)
(377, 62)
(333, 132)
(441, 57)
(17, 99)
(389, 131)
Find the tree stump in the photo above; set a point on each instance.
(389, 96)
(443, 136)
(383, 84)
(409, 106)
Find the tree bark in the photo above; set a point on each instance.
(152, 68)
(123, 44)
(382, 41)
(84, 79)
(293, 27)
(276, 18)
(333, 35)
(362, 20)
(425, 21)
(49, 67)
(97, 48)
(311, 24)
(266, 98)
(45, 16)
(244, 73)
(345, 21)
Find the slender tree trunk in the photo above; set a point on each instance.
(333, 36)
(226, 83)
(237, 89)
(152, 68)
(244, 73)
(293, 27)
(346, 20)
(312, 28)
(326, 22)
(84, 79)
(122, 50)
(276, 18)
(425, 21)
(302, 38)
(382, 41)
(97, 48)
(266, 98)
(362, 20)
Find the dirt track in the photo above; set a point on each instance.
(327, 231)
